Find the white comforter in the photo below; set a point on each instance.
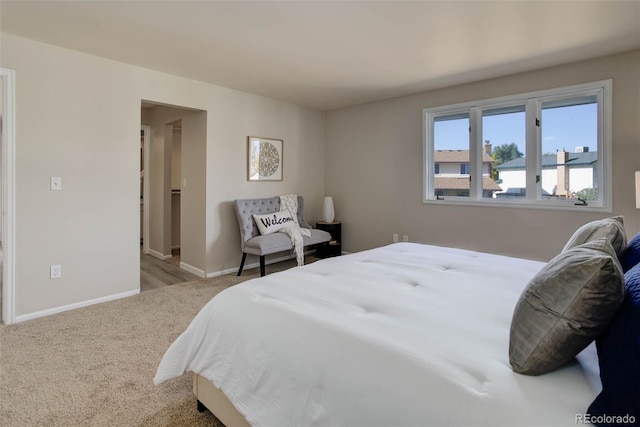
(403, 335)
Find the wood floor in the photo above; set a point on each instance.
(155, 273)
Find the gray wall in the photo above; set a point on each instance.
(374, 168)
(79, 118)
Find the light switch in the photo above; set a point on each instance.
(184, 182)
(55, 271)
(56, 183)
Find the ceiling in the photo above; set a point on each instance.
(331, 54)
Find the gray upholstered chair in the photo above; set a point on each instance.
(252, 242)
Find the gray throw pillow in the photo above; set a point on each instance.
(565, 307)
(611, 228)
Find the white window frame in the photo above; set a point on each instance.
(533, 155)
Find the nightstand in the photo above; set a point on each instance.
(334, 247)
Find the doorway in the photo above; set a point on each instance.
(173, 166)
(176, 185)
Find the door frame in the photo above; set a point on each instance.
(7, 78)
(146, 188)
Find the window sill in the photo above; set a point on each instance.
(519, 205)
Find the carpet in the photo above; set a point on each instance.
(94, 366)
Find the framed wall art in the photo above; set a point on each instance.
(264, 159)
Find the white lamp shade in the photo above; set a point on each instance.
(328, 212)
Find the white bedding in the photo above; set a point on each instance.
(402, 335)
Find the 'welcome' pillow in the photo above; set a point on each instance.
(270, 223)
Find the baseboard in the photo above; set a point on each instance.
(191, 269)
(159, 255)
(254, 265)
(227, 271)
(73, 306)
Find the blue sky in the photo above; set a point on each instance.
(562, 127)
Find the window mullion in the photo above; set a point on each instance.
(428, 171)
(475, 153)
(532, 151)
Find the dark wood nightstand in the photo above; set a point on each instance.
(334, 247)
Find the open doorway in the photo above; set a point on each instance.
(176, 185)
(173, 165)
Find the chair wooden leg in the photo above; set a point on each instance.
(261, 265)
(201, 407)
(244, 257)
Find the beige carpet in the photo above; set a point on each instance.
(95, 365)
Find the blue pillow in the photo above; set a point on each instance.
(619, 359)
(631, 254)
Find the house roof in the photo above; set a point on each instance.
(456, 156)
(331, 54)
(551, 161)
(462, 183)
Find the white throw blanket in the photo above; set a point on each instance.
(289, 202)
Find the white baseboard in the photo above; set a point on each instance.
(227, 271)
(191, 269)
(254, 265)
(159, 255)
(73, 306)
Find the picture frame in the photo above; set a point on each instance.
(264, 159)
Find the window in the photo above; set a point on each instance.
(548, 149)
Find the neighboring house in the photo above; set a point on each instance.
(452, 173)
(563, 174)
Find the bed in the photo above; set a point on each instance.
(401, 335)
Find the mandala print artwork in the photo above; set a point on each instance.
(269, 159)
(264, 159)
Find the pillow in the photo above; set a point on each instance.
(611, 228)
(270, 223)
(564, 307)
(619, 357)
(631, 255)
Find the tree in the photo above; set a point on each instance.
(505, 153)
(586, 194)
(502, 154)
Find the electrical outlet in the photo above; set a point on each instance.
(395, 238)
(56, 183)
(56, 271)
(405, 238)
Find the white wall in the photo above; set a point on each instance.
(176, 147)
(176, 184)
(2, 139)
(78, 116)
(193, 197)
(374, 168)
